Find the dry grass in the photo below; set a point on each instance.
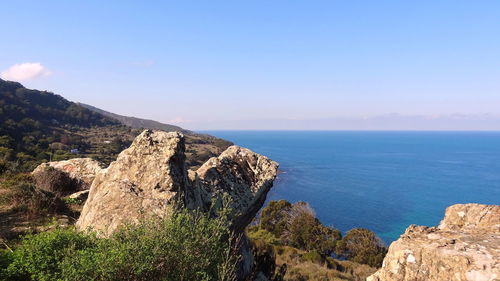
(24, 208)
(299, 269)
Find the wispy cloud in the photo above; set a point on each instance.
(24, 71)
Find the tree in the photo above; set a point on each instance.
(274, 217)
(362, 246)
(296, 225)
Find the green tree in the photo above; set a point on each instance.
(362, 246)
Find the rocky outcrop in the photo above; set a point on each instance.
(150, 178)
(66, 176)
(465, 246)
(145, 179)
(244, 176)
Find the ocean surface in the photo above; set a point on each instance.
(383, 181)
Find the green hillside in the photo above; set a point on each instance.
(38, 126)
(135, 122)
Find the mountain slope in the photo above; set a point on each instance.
(135, 122)
(38, 126)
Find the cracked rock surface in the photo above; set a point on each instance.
(465, 246)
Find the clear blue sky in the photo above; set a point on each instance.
(239, 64)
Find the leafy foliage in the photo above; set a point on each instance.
(296, 225)
(184, 246)
(285, 224)
(363, 246)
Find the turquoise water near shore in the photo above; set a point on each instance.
(383, 181)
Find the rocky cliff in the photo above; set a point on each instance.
(465, 246)
(150, 177)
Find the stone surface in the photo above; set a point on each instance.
(80, 195)
(83, 170)
(68, 176)
(150, 178)
(246, 177)
(465, 246)
(145, 179)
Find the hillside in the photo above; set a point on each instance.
(38, 126)
(135, 122)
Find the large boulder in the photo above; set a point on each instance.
(465, 246)
(244, 176)
(150, 178)
(146, 178)
(66, 176)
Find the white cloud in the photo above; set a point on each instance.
(24, 71)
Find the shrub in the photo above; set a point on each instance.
(41, 256)
(258, 234)
(5, 260)
(183, 246)
(314, 257)
(362, 246)
(274, 217)
(296, 225)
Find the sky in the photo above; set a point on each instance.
(338, 64)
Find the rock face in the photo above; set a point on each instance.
(240, 173)
(465, 246)
(150, 177)
(77, 172)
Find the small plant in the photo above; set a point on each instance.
(72, 201)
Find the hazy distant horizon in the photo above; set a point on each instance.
(389, 122)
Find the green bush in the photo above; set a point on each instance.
(42, 256)
(362, 246)
(314, 257)
(5, 260)
(259, 234)
(296, 225)
(274, 217)
(184, 246)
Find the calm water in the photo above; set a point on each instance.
(383, 181)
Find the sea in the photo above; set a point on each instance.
(382, 181)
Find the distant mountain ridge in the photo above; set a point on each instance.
(135, 122)
(39, 126)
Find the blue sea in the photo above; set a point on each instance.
(383, 181)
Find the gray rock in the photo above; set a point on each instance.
(145, 179)
(150, 178)
(465, 246)
(80, 195)
(78, 173)
(240, 173)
